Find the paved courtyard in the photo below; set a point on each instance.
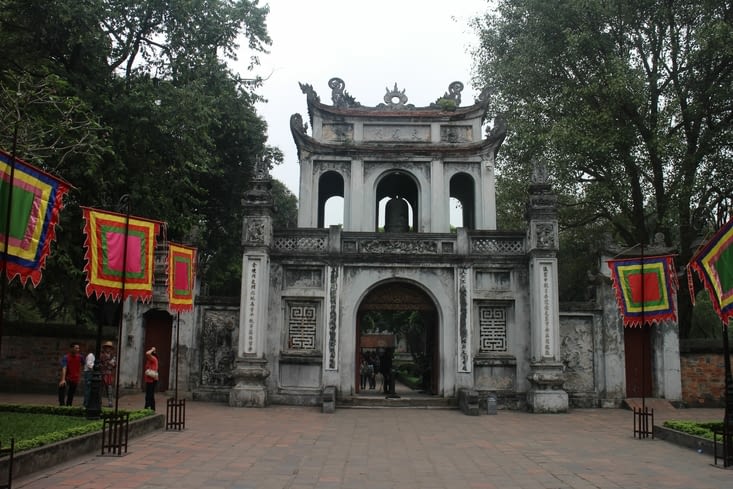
(300, 448)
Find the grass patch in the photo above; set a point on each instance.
(696, 428)
(35, 426)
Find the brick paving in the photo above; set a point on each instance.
(289, 447)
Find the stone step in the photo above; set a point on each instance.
(418, 402)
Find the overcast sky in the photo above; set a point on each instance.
(421, 45)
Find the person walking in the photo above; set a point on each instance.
(151, 377)
(107, 363)
(88, 371)
(71, 365)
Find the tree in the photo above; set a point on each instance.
(286, 206)
(135, 98)
(628, 103)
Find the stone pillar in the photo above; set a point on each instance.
(546, 394)
(250, 371)
(439, 199)
(486, 213)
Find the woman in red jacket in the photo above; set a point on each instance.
(151, 377)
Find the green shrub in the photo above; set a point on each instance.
(34, 426)
(701, 429)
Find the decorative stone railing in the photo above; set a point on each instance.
(497, 244)
(334, 240)
(301, 241)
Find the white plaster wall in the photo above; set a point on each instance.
(132, 359)
(666, 362)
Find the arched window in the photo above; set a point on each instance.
(462, 201)
(330, 199)
(401, 188)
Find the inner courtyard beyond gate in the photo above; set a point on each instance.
(397, 341)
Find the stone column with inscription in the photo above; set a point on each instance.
(251, 369)
(546, 394)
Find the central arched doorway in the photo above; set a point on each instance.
(397, 331)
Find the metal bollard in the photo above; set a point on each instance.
(491, 404)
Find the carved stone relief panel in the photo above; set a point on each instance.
(545, 236)
(303, 278)
(218, 344)
(338, 132)
(576, 352)
(254, 230)
(343, 167)
(493, 280)
(456, 134)
(384, 132)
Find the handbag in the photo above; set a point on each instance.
(153, 374)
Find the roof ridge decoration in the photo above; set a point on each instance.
(339, 96)
(394, 98)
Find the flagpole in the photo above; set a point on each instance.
(124, 201)
(643, 331)
(6, 240)
(178, 332)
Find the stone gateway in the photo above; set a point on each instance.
(487, 299)
(394, 295)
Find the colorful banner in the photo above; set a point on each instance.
(37, 199)
(645, 289)
(105, 253)
(181, 277)
(713, 263)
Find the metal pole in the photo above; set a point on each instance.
(124, 201)
(728, 419)
(6, 243)
(643, 336)
(178, 332)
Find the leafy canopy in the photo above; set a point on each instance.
(628, 102)
(123, 97)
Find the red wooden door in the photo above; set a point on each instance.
(637, 343)
(158, 330)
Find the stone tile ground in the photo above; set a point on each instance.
(299, 447)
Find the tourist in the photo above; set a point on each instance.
(151, 377)
(88, 371)
(363, 373)
(107, 363)
(71, 365)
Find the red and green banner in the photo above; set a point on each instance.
(36, 200)
(181, 277)
(713, 263)
(105, 254)
(645, 289)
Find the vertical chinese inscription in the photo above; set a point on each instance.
(462, 320)
(251, 307)
(547, 310)
(332, 318)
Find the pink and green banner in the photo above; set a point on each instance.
(181, 277)
(36, 201)
(645, 289)
(713, 263)
(106, 258)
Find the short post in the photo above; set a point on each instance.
(643, 422)
(491, 404)
(175, 414)
(115, 432)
